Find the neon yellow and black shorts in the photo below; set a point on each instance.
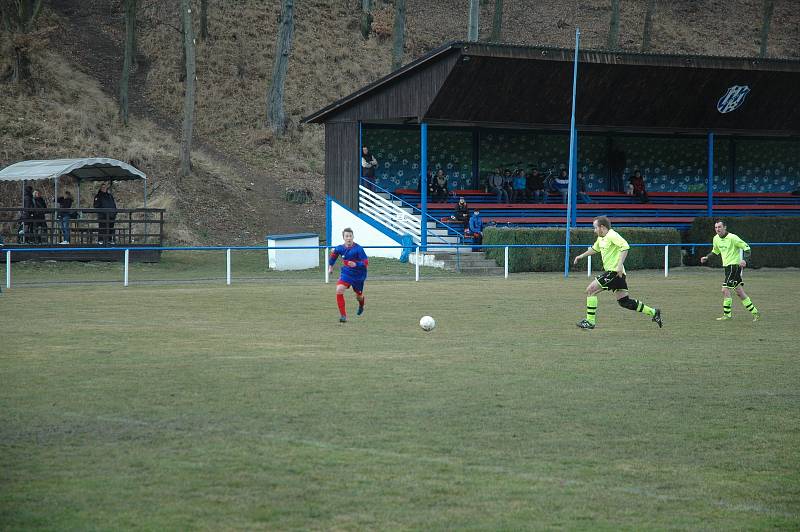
(612, 281)
(733, 276)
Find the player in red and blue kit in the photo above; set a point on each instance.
(353, 274)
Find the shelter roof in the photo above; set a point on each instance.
(91, 168)
(531, 87)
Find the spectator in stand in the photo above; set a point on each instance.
(636, 187)
(508, 183)
(462, 211)
(26, 217)
(39, 226)
(536, 186)
(583, 197)
(476, 228)
(105, 220)
(368, 165)
(561, 184)
(496, 186)
(520, 187)
(65, 215)
(440, 186)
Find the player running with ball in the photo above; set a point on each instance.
(353, 274)
(613, 249)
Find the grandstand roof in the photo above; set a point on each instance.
(479, 84)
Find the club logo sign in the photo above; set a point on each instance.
(733, 99)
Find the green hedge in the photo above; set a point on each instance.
(552, 259)
(750, 229)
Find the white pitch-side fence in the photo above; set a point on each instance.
(416, 249)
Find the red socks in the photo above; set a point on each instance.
(340, 303)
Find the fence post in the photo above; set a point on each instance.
(416, 266)
(228, 266)
(589, 266)
(666, 261)
(325, 266)
(506, 261)
(127, 256)
(8, 269)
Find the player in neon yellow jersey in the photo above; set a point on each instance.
(613, 249)
(728, 245)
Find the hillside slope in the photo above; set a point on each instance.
(241, 171)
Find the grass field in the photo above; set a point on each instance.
(203, 406)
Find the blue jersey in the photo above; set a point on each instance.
(354, 253)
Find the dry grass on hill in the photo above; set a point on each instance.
(241, 170)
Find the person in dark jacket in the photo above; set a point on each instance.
(39, 224)
(105, 220)
(462, 211)
(25, 222)
(65, 214)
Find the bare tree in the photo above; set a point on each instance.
(366, 18)
(276, 117)
(203, 20)
(130, 53)
(18, 17)
(765, 23)
(648, 25)
(613, 32)
(474, 17)
(399, 33)
(497, 22)
(189, 93)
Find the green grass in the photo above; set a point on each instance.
(203, 406)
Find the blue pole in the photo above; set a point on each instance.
(572, 150)
(423, 187)
(710, 182)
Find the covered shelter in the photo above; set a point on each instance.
(122, 227)
(86, 169)
(484, 89)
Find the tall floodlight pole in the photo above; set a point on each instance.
(573, 144)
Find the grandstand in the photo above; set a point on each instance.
(713, 136)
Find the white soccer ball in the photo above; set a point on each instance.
(427, 323)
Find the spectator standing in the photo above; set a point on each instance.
(520, 186)
(26, 217)
(105, 220)
(636, 187)
(40, 231)
(536, 186)
(65, 215)
(368, 165)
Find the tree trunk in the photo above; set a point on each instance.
(399, 33)
(613, 32)
(203, 20)
(127, 63)
(18, 18)
(497, 22)
(366, 18)
(767, 20)
(648, 25)
(474, 17)
(188, 98)
(276, 117)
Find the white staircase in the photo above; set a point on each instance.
(402, 220)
